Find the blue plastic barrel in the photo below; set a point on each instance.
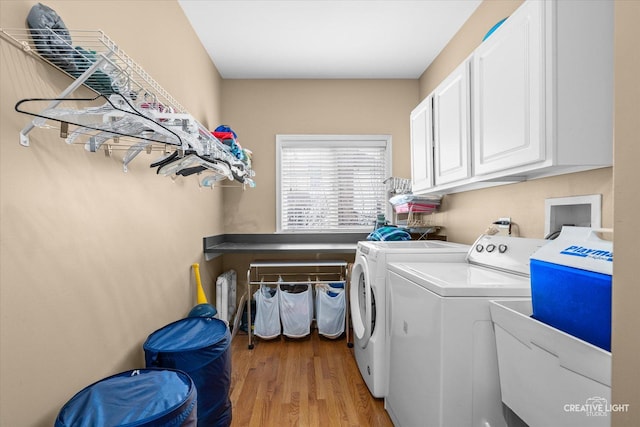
(201, 347)
(143, 397)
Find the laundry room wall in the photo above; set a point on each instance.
(258, 110)
(466, 215)
(625, 340)
(93, 259)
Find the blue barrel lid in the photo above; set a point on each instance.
(128, 399)
(191, 333)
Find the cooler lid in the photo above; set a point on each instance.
(578, 247)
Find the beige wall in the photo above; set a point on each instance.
(626, 292)
(92, 259)
(466, 215)
(260, 109)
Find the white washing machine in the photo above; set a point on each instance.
(368, 298)
(443, 368)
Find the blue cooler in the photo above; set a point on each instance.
(571, 285)
(201, 347)
(141, 398)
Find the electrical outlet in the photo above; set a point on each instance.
(504, 222)
(504, 226)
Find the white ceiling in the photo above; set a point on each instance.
(316, 39)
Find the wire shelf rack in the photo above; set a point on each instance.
(130, 107)
(75, 52)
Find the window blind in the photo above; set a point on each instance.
(332, 183)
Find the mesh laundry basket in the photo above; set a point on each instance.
(330, 311)
(201, 347)
(267, 323)
(141, 398)
(296, 309)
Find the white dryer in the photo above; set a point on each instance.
(443, 367)
(368, 298)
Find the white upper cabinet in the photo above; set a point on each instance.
(541, 97)
(508, 94)
(421, 146)
(451, 127)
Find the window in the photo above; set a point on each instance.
(331, 183)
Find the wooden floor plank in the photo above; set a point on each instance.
(311, 381)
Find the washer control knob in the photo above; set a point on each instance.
(479, 248)
(502, 248)
(491, 247)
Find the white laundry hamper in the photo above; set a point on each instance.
(296, 309)
(330, 311)
(267, 321)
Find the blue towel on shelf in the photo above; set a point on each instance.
(388, 233)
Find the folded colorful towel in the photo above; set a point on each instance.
(388, 233)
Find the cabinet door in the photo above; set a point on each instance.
(451, 127)
(421, 146)
(508, 94)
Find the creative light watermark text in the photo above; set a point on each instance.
(596, 407)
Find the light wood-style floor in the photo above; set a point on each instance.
(312, 381)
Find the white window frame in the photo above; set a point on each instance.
(300, 140)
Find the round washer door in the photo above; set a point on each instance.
(361, 300)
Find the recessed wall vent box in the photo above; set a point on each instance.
(571, 285)
(577, 211)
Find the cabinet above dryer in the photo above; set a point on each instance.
(541, 96)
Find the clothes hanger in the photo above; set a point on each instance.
(124, 109)
(191, 163)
